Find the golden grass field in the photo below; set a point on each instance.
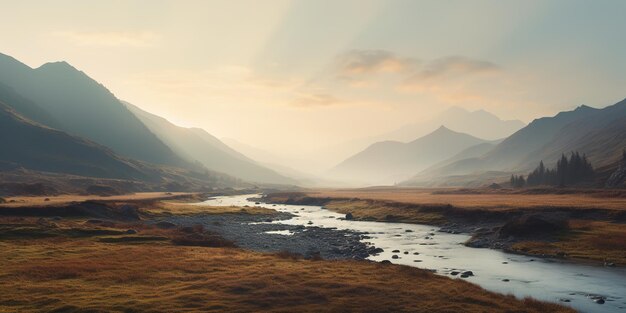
(85, 275)
(484, 200)
(589, 240)
(65, 199)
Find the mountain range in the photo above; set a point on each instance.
(600, 134)
(56, 119)
(480, 123)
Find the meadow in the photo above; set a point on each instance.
(78, 264)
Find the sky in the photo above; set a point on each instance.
(303, 75)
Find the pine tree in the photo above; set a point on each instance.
(561, 170)
(570, 171)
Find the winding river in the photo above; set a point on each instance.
(576, 285)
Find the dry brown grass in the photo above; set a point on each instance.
(485, 200)
(379, 211)
(590, 240)
(67, 275)
(184, 208)
(65, 199)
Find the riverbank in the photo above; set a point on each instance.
(141, 256)
(580, 226)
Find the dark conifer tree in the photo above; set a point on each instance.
(570, 171)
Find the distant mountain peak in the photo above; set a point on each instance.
(442, 130)
(58, 66)
(584, 107)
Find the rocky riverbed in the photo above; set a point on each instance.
(264, 232)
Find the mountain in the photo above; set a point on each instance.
(26, 107)
(64, 98)
(464, 156)
(36, 155)
(480, 123)
(33, 146)
(196, 145)
(389, 162)
(600, 134)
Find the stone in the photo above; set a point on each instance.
(165, 225)
(377, 251)
(349, 217)
(468, 273)
(395, 256)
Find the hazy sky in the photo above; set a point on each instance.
(312, 73)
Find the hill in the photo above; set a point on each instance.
(197, 145)
(389, 162)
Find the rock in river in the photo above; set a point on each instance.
(468, 273)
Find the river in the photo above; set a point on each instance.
(422, 246)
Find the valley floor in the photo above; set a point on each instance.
(126, 264)
(585, 225)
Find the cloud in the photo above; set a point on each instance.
(315, 100)
(110, 38)
(454, 65)
(360, 62)
(453, 79)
